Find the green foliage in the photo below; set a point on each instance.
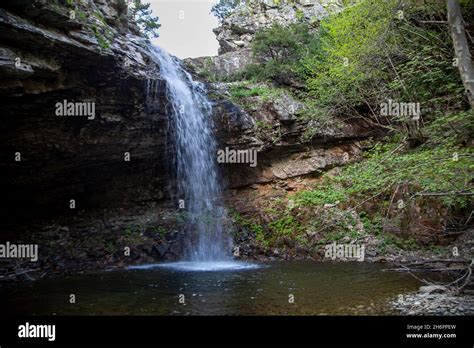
(427, 76)
(102, 40)
(159, 230)
(363, 56)
(432, 170)
(263, 129)
(352, 53)
(446, 167)
(100, 17)
(278, 50)
(132, 233)
(389, 242)
(384, 57)
(423, 60)
(456, 127)
(299, 15)
(81, 15)
(259, 234)
(143, 16)
(372, 225)
(238, 92)
(253, 227)
(110, 247)
(206, 72)
(325, 194)
(285, 226)
(245, 90)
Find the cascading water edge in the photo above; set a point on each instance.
(197, 180)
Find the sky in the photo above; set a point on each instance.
(186, 27)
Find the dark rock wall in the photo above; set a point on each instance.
(47, 57)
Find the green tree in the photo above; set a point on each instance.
(354, 46)
(461, 48)
(143, 16)
(278, 50)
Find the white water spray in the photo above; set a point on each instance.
(198, 183)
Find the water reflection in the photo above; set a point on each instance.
(317, 289)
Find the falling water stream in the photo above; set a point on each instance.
(197, 179)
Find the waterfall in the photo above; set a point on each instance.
(197, 180)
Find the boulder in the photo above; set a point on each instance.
(432, 289)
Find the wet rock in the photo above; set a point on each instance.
(222, 66)
(286, 108)
(272, 127)
(432, 289)
(160, 250)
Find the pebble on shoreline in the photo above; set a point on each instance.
(425, 303)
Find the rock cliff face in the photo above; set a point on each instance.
(89, 52)
(238, 28)
(287, 146)
(236, 32)
(114, 165)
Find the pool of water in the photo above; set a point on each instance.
(234, 288)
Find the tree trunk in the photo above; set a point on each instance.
(461, 48)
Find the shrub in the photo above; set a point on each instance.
(278, 50)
